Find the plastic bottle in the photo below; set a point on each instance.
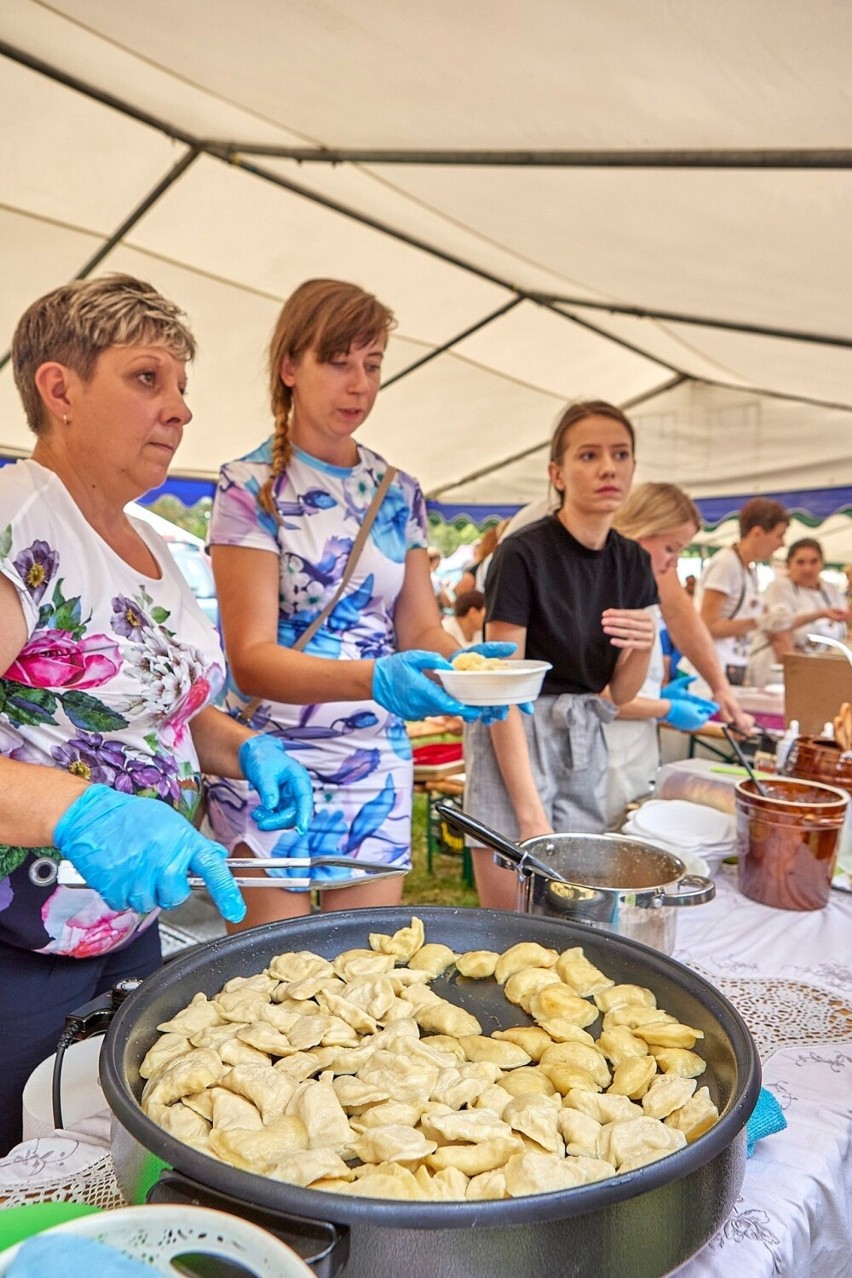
(827, 733)
(785, 745)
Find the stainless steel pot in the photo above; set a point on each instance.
(621, 885)
(644, 1223)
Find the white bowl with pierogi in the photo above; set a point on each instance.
(475, 680)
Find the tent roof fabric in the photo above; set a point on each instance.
(143, 144)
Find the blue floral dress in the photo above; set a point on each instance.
(358, 754)
(114, 667)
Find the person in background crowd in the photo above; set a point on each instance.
(690, 584)
(728, 596)
(110, 673)
(663, 520)
(794, 606)
(284, 522)
(442, 596)
(468, 617)
(672, 655)
(473, 574)
(570, 591)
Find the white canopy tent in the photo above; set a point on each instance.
(644, 203)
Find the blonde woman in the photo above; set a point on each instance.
(664, 520)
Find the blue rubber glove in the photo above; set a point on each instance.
(491, 649)
(677, 688)
(701, 703)
(400, 685)
(689, 713)
(136, 853)
(284, 786)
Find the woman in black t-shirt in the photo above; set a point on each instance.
(571, 591)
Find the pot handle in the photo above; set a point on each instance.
(693, 889)
(520, 861)
(322, 1245)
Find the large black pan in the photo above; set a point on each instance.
(644, 1223)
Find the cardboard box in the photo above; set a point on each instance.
(815, 687)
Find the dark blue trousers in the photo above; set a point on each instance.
(37, 991)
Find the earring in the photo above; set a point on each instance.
(64, 419)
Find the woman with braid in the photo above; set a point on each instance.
(284, 523)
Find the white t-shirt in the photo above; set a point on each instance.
(783, 600)
(452, 627)
(727, 574)
(115, 666)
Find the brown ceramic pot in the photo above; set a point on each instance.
(788, 841)
(819, 759)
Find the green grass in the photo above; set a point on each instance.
(444, 886)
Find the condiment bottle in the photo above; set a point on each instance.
(785, 744)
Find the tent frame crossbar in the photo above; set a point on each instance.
(453, 341)
(765, 158)
(678, 317)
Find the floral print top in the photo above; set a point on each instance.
(358, 754)
(114, 667)
(321, 509)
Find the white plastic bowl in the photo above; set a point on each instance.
(499, 686)
(156, 1234)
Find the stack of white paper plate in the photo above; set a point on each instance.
(695, 833)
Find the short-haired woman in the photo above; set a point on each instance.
(111, 669)
(728, 594)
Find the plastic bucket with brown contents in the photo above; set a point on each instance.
(788, 841)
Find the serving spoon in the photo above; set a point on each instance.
(745, 761)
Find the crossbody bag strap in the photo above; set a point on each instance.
(358, 544)
(743, 584)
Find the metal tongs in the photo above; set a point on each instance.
(68, 876)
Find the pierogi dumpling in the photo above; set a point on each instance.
(354, 1075)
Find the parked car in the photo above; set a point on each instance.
(189, 555)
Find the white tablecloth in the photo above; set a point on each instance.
(789, 975)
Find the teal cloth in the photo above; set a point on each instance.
(767, 1118)
(70, 1257)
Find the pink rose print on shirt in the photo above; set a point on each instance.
(175, 725)
(81, 925)
(53, 659)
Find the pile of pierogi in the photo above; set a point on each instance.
(352, 1075)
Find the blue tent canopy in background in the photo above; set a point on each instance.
(815, 504)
